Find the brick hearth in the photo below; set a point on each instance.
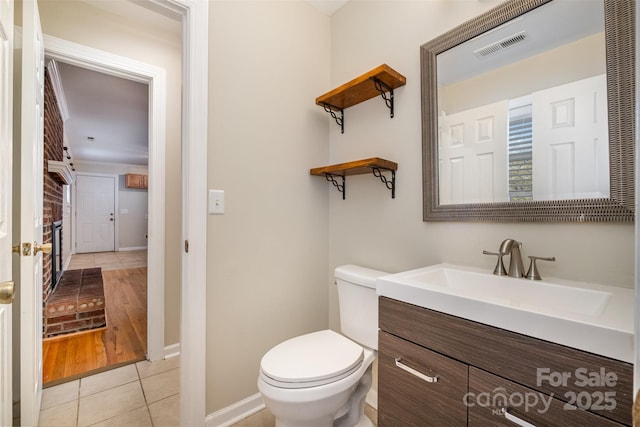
(77, 304)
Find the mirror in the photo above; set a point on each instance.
(528, 114)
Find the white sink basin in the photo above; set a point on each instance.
(587, 316)
(503, 290)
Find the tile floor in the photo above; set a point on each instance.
(142, 394)
(145, 394)
(109, 260)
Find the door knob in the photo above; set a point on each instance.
(45, 248)
(7, 292)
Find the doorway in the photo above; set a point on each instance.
(83, 336)
(194, 16)
(81, 56)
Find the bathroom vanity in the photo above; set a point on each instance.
(472, 361)
(456, 356)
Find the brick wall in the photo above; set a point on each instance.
(53, 196)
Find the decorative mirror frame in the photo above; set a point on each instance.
(620, 63)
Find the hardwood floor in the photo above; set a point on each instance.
(123, 341)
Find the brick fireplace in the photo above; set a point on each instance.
(56, 254)
(74, 299)
(53, 184)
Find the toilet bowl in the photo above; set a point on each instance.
(321, 379)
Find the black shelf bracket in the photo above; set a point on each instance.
(331, 110)
(383, 88)
(390, 184)
(341, 187)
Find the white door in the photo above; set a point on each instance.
(6, 142)
(571, 140)
(472, 156)
(30, 217)
(95, 213)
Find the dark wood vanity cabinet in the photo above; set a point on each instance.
(481, 369)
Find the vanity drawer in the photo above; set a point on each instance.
(509, 355)
(406, 399)
(489, 394)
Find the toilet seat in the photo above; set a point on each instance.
(311, 360)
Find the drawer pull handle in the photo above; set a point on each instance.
(514, 419)
(414, 372)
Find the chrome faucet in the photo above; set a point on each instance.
(508, 247)
(512, 247)
(516, 268)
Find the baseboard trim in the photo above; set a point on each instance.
(235, 412)
(245, 408)
(172, 350)
(132, 248)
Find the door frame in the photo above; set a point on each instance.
(74, 199)
(155, 77)
(195, 92)
(195, 20)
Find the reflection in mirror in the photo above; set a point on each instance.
(522, 105)
(516, 120)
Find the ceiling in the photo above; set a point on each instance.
(328, 7)
(108, 116)
(549, 26)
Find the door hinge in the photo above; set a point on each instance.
(186, 246)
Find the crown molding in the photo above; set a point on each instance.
(56, 82)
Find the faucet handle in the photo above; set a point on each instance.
(499, 270)
(534, 273)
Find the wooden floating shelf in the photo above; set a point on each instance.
(378, 81)
(357, 167)
(361, 88)
(373, 165)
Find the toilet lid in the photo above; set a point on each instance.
(311, 360)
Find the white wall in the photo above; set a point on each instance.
(267, 256)
(85, 24)
(133, 216)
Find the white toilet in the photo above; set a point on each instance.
(321, 379)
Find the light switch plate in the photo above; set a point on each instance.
(216, 202)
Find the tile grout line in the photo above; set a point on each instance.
(144, 395)
(78, 405)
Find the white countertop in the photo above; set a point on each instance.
(587, 316)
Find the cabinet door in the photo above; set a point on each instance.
(131, 181)
(136, 181)
(489, 395)
(407, 397)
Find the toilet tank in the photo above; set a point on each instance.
(358, 303)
